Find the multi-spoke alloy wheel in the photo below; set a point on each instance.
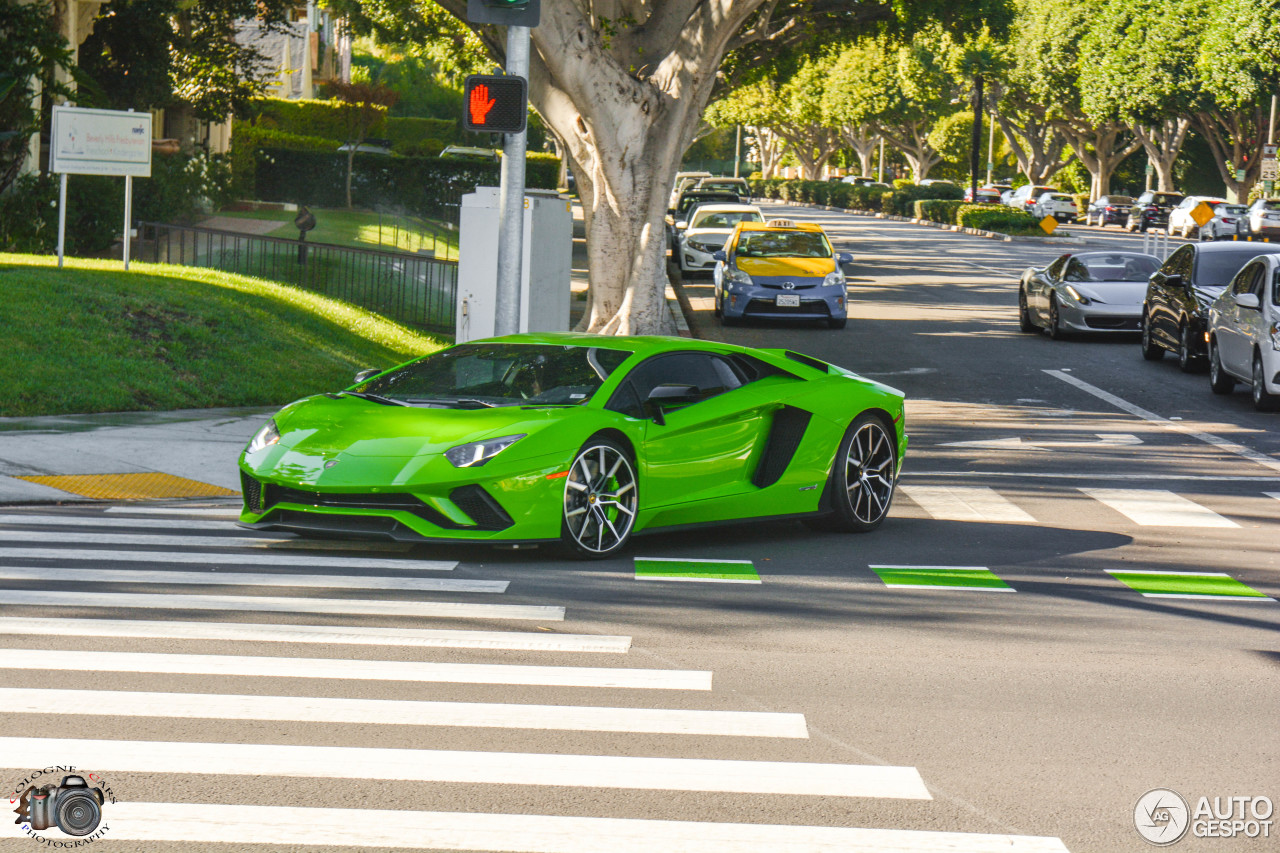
(600, 499)
(866, 472)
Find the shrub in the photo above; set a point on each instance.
(182, 187)
(902, 201)
(406, 133)
(840, 194)
(903, 183)
(938, 210)
(248, 139)
(866, 198)
(326, 119)
(991, 217)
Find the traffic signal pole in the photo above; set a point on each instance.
(511, 200)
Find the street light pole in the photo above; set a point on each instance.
(991, 152)
(976, 139)
(506, 318)
(737, 151)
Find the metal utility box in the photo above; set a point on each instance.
(544, 271)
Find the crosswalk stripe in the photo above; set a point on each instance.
(1158, 508)
(357, 670)
(309, 709)
(232, 512)
(100, 520)
(498, 768)
(86, 537)
(336, 634)
(272, 604)
(244, 826)
(30, 573)
(965, 503)
(228, 558)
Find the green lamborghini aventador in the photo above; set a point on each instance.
(584, 439)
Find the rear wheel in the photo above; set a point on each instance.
(1025, 323)
(1263, 400)
(600, 500)
(1151, 351)
(863, 475)
(1219, 380)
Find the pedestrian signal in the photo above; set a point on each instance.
(495, 103)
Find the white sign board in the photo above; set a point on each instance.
(1269, 171)
(100, 142)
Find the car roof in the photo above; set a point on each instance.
(768, 226)
(728, 208)
(1112, 254)
(1236, 248)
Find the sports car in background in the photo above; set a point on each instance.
(1085, 292)
(581, 439)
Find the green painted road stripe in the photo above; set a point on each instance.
(941, 577)
(711, 571)
(1217, 585)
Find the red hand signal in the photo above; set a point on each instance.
(480, 104)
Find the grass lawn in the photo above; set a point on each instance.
(94, 338)
(364, 230)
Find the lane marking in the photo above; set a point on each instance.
(1050, 475)
(706, 571)
(965, 503)
(228, 558)
(1208, 438)
(222, 512)
(975, 578)
(273, 604)
(1157, 508)
(361, 635)
(1216, 586)
(201, 823)
(357, 670)
(117, 521)
(144, 576)
(1018, 443)
(80, 537)
(309, 709)
(496, 768)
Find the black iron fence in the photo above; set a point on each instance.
(413, 289)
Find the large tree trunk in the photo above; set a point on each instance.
(1163, 143)
(912, 139)
(863, 140)
(1100, 149)
(1036, 144)
(1236, 141)
(769, 147)
(813, 146)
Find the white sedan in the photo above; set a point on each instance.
(1180, 220)
(706, 231)
(1264, 217)
(1060, 206)
(1244, 332)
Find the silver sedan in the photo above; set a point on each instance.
(1085, 292)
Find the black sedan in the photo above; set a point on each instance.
(1108, 210)
(1175, 310)
(1151, 210)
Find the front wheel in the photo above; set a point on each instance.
(1263, 400)
(1056, 331)
(863, 475)
(600, 500)
(1151, 351)
(1025, 323)
(1188, 360)
(1219, 380)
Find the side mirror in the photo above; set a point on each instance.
(366, 374)
(1173, 281)
(719, 256)
(844, 258)
(669, 395)
(681, 225)
(1247, 300)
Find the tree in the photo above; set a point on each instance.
(863, 139)
(33, 53)
(622, 83)
(364, 103)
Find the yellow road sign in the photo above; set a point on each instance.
(1201, 214)
(1048, 224)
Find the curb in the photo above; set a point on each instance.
(976, 232)
(676, 309)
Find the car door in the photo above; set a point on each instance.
(1043, 283)
(703, 449)
(1229, 332)
(1164, 300)
(1251, 323)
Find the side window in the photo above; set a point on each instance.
(1244, 279)
(1275, 287)
(1076, 271)
(1179, 263)
(1258, 282)
(1055, 268)
(710, 374)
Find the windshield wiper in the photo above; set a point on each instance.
(365, 395)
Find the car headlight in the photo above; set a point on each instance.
(1078, 297)
(264, 438)
(479, 452)
(739, 277)
(833, 279)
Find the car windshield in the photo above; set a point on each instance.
(1216, 269)
(725, 219)
(1119, 199)
(687, 201)
(475, 375)
(784, 244)
(1269, 205)
(1061, 197)
(1233, 209)
(1118, 267)
(1166, 198)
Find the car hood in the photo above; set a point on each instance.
(1205, 295)
(1113, 292)
(783, 267)
(708, 234)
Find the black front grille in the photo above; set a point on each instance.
(486, 512)
(252, 491)
(1118, 324)
(812, 307)
(358, 500)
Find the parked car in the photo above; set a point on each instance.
(1175, 311)
(858, 180)
(986, 195)
(371, 145)
(474, 155)
(1244, 333)
(684, 181)
(1085, 292)
(706, 230)
(780, 270)
(1264, 217)
(1006, 197)
(729, 185)
(1026, 196)
(1060, 206)
(1229, 220)
(1180, 220)
(684, 208)
(1151, 210)
(1108, 209)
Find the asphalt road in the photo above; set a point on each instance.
(924, 719)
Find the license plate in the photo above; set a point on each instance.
(788, 300)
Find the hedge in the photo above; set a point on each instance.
(938, 210)
(326, 119)
(409, 133)
(427, 186)
(995, 217)
(247, 140)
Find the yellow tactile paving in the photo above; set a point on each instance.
(131, 487)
